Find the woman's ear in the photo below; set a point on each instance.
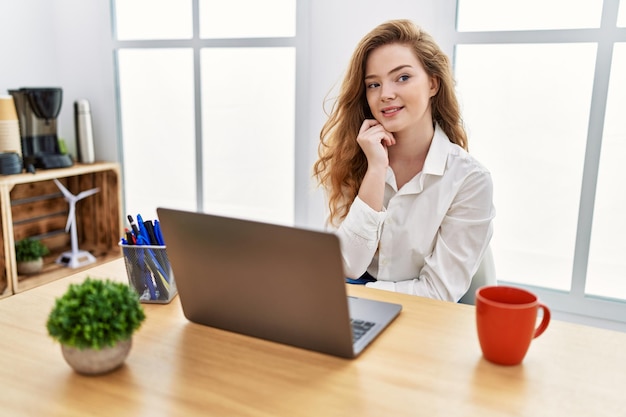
(434, 85)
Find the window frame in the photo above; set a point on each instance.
(575, 305)
(298, 42)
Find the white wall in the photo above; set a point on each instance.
(67, 43)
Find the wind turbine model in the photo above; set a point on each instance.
(74, 258)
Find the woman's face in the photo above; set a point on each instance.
(398, 89)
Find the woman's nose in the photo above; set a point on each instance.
(387, 92)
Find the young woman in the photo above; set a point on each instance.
(413, 210)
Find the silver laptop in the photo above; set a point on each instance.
(268, 281)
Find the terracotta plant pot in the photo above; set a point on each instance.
(97, 361)
(30, 267)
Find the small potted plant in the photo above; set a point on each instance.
(94, 321)
(29, 255)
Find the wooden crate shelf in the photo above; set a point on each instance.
(33, 206)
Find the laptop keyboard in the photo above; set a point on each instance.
(360, 328)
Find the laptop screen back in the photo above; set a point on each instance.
(268, 281)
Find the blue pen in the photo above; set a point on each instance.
(164, 261)
(143, 264)
(157, 232)
(142, 231)
(161, 279)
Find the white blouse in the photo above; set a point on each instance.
(431, 235)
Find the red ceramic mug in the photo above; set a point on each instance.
(506, 321)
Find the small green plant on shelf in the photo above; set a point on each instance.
(30, 249)
(29, 255)
(95, 314)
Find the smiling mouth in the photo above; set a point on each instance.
(388, 111)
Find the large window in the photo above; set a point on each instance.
(528, 124)
(542, 87)
(207, 104)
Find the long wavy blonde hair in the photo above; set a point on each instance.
(342, 164)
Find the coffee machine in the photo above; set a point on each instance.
(37, 112)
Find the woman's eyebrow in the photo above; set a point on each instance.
(396, 69)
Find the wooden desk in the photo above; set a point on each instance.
(428, 363)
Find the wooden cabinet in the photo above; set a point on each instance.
(33, 206)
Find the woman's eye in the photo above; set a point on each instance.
(372, 85)
(403, 78)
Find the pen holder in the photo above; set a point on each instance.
(149, 273)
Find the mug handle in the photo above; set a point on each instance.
(544, 321)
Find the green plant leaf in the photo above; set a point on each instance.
(95, 314)
(29, 249)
